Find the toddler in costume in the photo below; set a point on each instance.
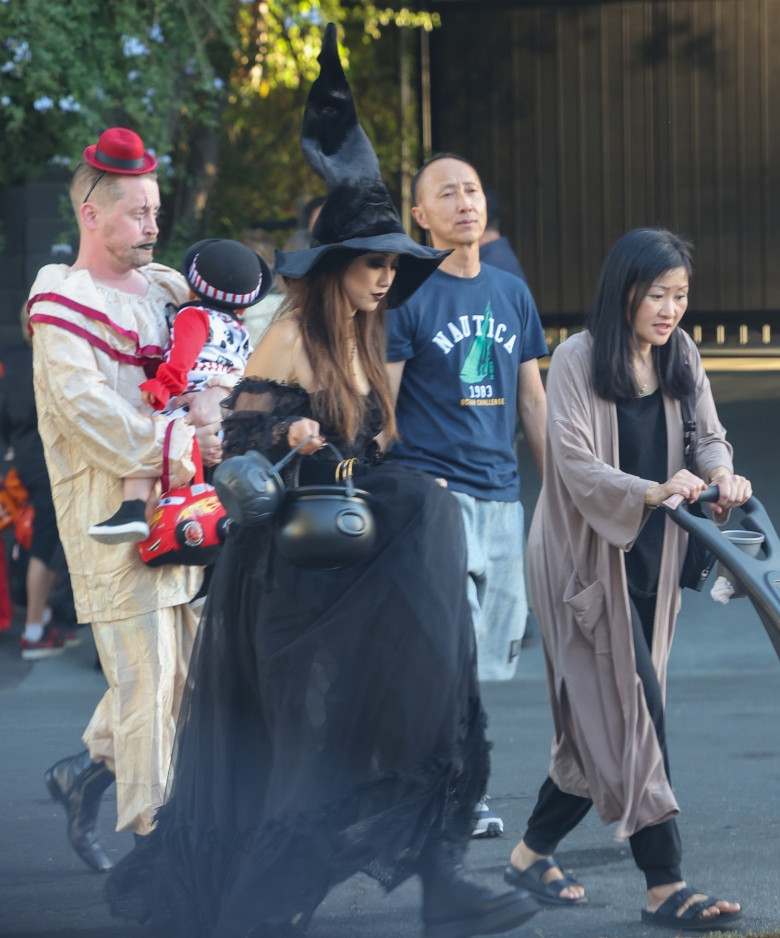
(208, 346)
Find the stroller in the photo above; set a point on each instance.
(757, 577)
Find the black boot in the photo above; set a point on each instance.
(456, 907)
(78, 784)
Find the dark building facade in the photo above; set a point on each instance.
(591, 118)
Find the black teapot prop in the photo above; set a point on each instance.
(250, 487)
(320, 527)
(325, 527)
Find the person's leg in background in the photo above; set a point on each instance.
(35, 642)
(41, 637)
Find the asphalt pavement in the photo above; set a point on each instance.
(723, 726)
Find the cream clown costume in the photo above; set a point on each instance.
(92, 348)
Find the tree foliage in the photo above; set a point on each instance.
(69, 70)
(215, 87)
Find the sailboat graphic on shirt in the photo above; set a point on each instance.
(478, 365)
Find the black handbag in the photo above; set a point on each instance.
(699, 559)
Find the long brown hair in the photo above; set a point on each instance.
(319, 303)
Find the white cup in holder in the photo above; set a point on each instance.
(748, 541)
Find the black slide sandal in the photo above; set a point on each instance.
(547, 893)
(691, 919)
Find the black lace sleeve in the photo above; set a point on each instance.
(258, 415)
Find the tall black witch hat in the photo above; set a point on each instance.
(358, 214)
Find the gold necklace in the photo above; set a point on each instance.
(645, 367)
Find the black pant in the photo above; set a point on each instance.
(656, 849)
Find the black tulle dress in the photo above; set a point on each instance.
(332, 722)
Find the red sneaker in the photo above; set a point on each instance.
(50, 644)
(69, 638)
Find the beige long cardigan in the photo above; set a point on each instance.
(589, 513)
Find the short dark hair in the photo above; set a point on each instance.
(633, 263)
(493, 207)
(435, 159)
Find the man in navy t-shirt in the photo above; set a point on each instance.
(463, 361)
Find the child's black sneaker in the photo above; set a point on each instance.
(128, 524)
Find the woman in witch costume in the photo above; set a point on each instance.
(332, 722)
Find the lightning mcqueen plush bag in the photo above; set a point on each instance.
(189, 524)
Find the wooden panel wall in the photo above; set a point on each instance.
(596, 118)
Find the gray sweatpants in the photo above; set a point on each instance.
(496, 586)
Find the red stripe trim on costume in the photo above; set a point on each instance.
(145, 354)
(153, 351)
(93, 340)
(165, 481)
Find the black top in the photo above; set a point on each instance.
(19, 418)
(643, 452)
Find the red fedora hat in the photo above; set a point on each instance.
(120, 150)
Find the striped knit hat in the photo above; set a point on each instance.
(226, 274)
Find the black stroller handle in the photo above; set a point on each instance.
(757, 577)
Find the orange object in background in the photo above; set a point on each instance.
(23, 525)
(13, 497)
